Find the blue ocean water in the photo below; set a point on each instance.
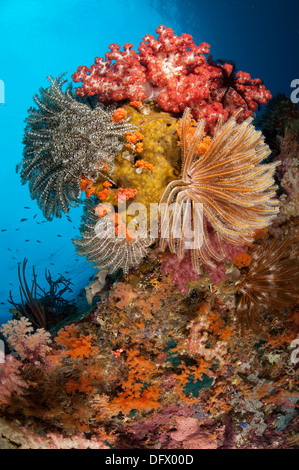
(39, 38)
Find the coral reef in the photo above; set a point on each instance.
(185, 348)
(111, 154)
(151, 368)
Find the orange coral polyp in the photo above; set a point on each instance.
(85, 182)
(139, 136)
(205, 141)
(86, 185)
(120, 227)
(144, 164)
(89, 192)
(125, 194)
(103, 194)
(133, 141)
(139, 147)
(136, 104)
(107, 185)
(242, 260)
(105, 167)
(119, 115)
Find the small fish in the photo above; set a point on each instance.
(10, 284)
(38, 241)
(26, 207)
(59, 235)
(67, 272)
(27, 240)
(23, 220)
(52, 264)
(44, 221)
(35, 216)
(4, 230)
(74, 227)
(9, 249)
(13, 257)
(51, 254)
(38, 223)
(2, 303)
(17, 229)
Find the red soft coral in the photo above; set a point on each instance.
(175, 72)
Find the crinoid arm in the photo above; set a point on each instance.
(104, 248)
(66, 137)
(229, 189)
(270, 284)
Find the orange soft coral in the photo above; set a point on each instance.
(119, 115)
(136, 104)
(102, 195)
(86, 185)
(134, 141)
(144, 164)
(242, 260)
(125, 193)
(74, 344)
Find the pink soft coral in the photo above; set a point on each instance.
(26, 343)
(181, 271)
(10, 380)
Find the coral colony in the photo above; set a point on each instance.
(191, 220)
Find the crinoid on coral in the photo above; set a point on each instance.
(225, 177)
(66, 138)
(271, 282)
(107, 243)
(278, 114)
